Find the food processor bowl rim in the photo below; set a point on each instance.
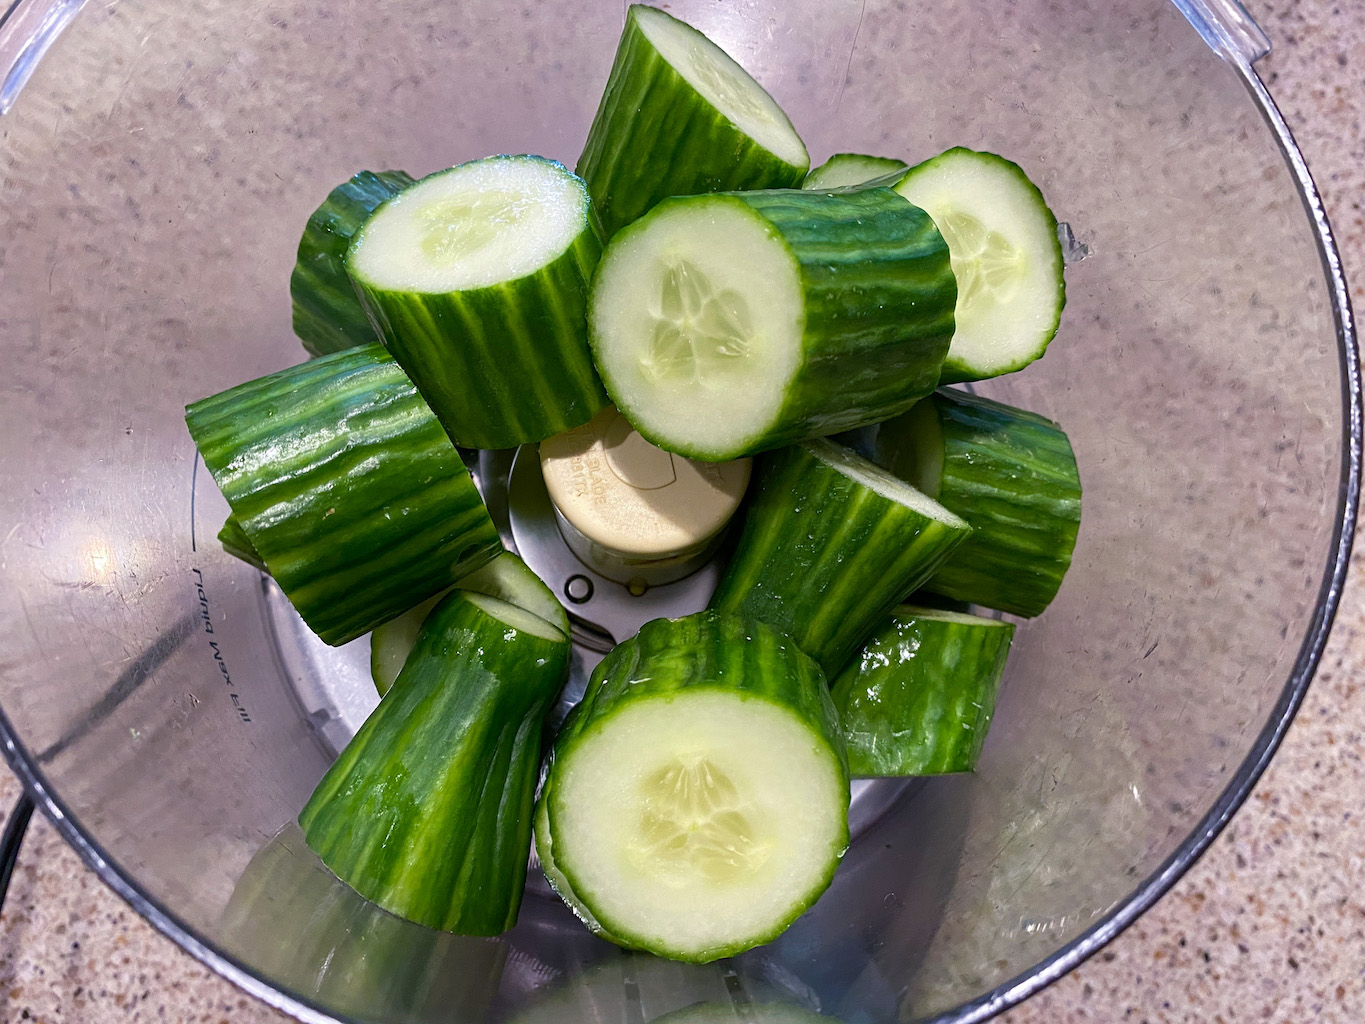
(1121, 914)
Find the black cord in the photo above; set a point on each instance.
(12, 840)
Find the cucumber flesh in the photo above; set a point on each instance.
(728, 324)
(723, 83)
(474, 226)
(724, 318)
(698, 800)
(507, 578)
(844, 170)
(1006, 256)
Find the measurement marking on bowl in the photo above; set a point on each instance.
(206, 618)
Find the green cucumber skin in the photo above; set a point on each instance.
(327, 315)
(347, 487)
(236, 543)
(506, 577)
(847, 170)
(879, 295)
(427, 812)
(1012, 475)
(503, 365)
(654, 136)
(824, 558)
(918, 698)
(712, 650)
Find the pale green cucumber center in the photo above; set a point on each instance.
(987, 267)
(517, 618)
(510, 579)
(696, 321)
(391, 643)
(1003, 246)
(696, 821)
(724, 84)
(473, 226)
(907, 611)
(860, 470)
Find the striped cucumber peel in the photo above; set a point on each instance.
(729, 324)
(477, 278)
(327, 315)
(846, 170)
(679, 117)
(506, 577)
(829, 544)
(697, 799)
(1007, 256)
(1012, 474)
(917, 699)
(236, 543)
(427, 812)
(346, 486)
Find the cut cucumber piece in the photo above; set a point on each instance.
(698, 798)
(918, 698)
(843, 170)
(347, 488)
(427, 812)
(829, 544)
(507, 578)
(679, 117)
(477, 278)
(328, 317)
(1006, 255)
(729, 324)
(558, 882)
(236, 543)
(1012, 475)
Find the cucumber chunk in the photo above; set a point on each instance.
(918, 698)
(698, 799)
(507, 578)
(679, 117)
(427, 812)
(346, 487)
(1008, 472)
(1006, 256)
(328, 317)
(843, 170)
(728, 324)
(829, 544)
(477, 278)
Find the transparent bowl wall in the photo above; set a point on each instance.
(154, 178)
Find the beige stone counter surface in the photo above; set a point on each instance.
(1268, 926)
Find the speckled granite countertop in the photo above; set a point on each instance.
(1269, 926)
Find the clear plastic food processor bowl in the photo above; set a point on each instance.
(170, 715)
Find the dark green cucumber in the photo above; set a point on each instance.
(507, 578)
(427, 812)
(1012, 475)
(697, 800)
(918, 698)
(679, 117)
(843, 170)
(1007, 256)
(728, 324)
(829, 544)
(327, 315)
(346, 486)
(236, 543)
(478, 279)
